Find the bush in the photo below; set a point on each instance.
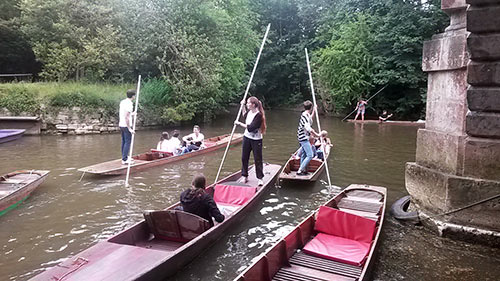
(19, 99)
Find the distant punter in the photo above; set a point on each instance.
(125, 124)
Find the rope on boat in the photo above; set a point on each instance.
(84, 262)
(465, 207)
(82, 176)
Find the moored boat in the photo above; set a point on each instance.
(166, 240)
(315, 167)
(156, 158)
(10, 135)
(336, 242)
(16, 187)
(389, 122)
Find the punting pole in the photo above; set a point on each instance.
(244, 97)
(317, 119)
(134, 117)
(366, 101)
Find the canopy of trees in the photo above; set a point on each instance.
(196, 55)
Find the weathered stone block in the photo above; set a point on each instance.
(481, 2)
(436, 192)
(72, 126)
(440, 151)
(484, 46)
(483, 19)
(484, 74)
(483, 99)
(103, 129)
(453, 4)
(445, 53)
(80, 131)
(62, 127)
(483, 124)
(482, 158)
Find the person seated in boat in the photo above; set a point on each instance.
(175, 143)
(163, 144)
(384, 116)
(196, 201)
(195, 140)
(317, 144)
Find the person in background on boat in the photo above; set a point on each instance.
(194, 141)
(304, 132)
(125, 124)
(255, 127)
(176, 143)
(196, 201)
(361, 106)
(319, 150)
(384, 116)
(163, 144)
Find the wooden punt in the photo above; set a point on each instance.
(156, 158)
(389, 122)
(354, 217)
(16, 187)
(166, 241)
(315, 167)
(10, 135)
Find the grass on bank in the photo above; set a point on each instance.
(28, 97)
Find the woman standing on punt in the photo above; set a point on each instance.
(255, 124)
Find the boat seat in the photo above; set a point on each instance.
(175, 225)
(341, 236)
(233, 194)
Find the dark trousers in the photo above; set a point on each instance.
(255, 146)
(126, 139)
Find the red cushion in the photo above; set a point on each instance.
(334, 222)
(233, 195)
(338, 249)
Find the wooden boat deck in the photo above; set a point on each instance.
(151, 159)
(285, 261)
(15, 187)
(388, 122)
(315, 168)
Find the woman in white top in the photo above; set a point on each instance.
(255, 124)
(175, 143)
(195, 140)
(163, 144)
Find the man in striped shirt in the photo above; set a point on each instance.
(304, 132)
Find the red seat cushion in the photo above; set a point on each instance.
(338, 249)
(337, 223)
(233, 195)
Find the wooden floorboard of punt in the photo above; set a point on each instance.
(300, 273)
(321, 264)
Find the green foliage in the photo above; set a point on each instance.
(19, 100)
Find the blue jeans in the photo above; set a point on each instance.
(126, 139)
(306, 155)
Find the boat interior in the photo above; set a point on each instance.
(169, 229)
(11, 182)
(333, 244)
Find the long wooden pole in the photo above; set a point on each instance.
(317, 118)
(367, 101)
(134, 117)
(244, 97)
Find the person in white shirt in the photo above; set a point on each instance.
(125, 124)
(163, 144)
(255, 126)
(175, 143)
(195, 140)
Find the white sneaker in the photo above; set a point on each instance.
(261, 183)
(244, 180)
(131, 161)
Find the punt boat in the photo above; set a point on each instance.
(16, 187)
(164, 241)
(10, 135)
(336, 242)
(315, 167)
(156, 158)
(389, 122)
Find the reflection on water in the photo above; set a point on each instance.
(65, 215)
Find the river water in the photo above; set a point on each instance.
(65, 216)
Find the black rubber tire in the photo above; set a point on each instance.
(399, 210)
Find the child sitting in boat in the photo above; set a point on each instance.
(384, 116)
(194, 141)
(175, 143)
(317, 144)
(196, 201)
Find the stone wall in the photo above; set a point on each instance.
(458, 153)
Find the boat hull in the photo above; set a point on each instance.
(289, 174)
(389, 122)
(17, 194)
(115, 168)
(10, 135)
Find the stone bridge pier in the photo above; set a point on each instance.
(458, 152)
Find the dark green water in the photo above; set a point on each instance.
(65, 216)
